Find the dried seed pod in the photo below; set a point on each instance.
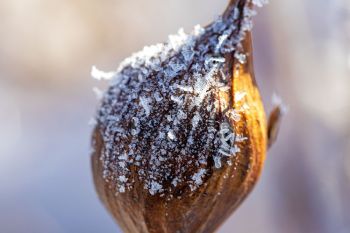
(181, 133)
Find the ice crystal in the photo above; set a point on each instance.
(155, 187)
(146, 104)
(171, 135)
(239, 96)
(197, 177)
(100, 75)
(260, 3)
(195, 120)
(241, 57)
(217, 161)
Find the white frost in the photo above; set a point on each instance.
(195, 120)
(171, 135)
(217, 162)
(197, 177)
(240, 95)
(155, 187)
(241, 57)
(122, 189)
(176, 41)
(100, 75)
(123, 179)
(146, 104)
(98, 93)
(260, 3)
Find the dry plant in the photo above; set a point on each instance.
(181, 134)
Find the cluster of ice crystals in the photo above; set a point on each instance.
(155, 187)
(161, 115)
(241, 57)
(100, 75)
(176, 41)
(197, 179)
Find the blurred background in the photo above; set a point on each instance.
(47, 48)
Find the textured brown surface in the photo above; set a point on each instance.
(205, 209)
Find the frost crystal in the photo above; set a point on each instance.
(260, 3)
(155, 187)
(122, 189)
(241, 57)
(176, 41)
(240, 95)
(123, 179)
(217, 161)
(171, 135)
(100, 75)
(195, 120)
(197, 178)
(221, 41)
(146, 104)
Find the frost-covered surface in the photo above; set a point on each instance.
(100, 75)
(162, 121)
